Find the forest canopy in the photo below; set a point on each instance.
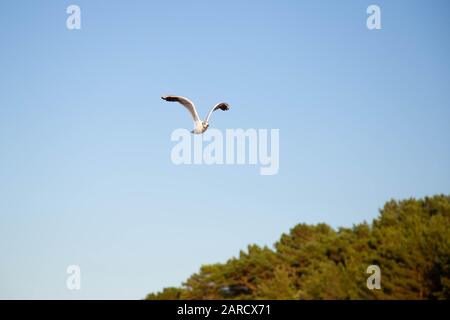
(409, 241)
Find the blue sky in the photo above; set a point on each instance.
(85, 170)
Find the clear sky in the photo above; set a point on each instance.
(85, 170)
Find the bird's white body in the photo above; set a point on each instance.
(199, 125)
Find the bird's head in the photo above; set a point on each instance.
(205, 125)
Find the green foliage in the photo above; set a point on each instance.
(409, 241)
(167, 294)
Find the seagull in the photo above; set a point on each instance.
(199, 125)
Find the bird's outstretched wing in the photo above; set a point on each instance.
(185, 102)
(222, 106)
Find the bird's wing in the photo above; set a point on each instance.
(222, 106)
(185, 102)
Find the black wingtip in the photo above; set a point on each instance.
(224, 106)
(170, 98)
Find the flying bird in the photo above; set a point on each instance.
(199, 125)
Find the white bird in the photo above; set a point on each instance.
(199, 125)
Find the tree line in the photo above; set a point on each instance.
(409, 241)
